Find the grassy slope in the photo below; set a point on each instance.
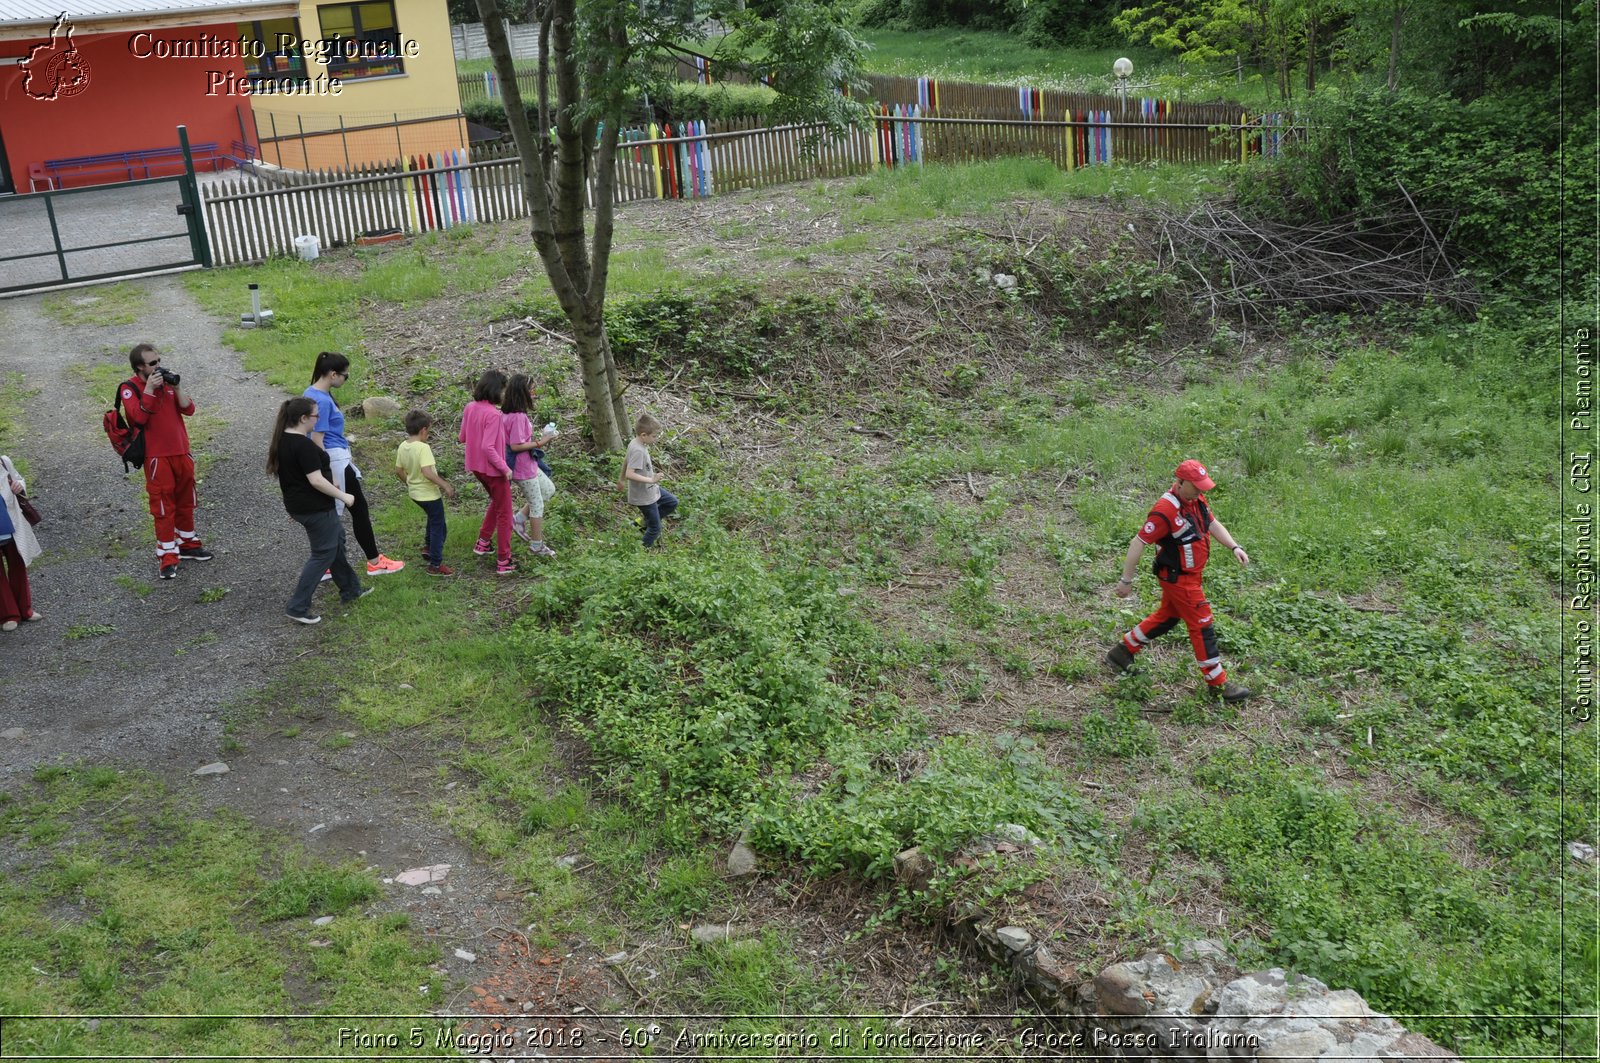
(993, 58)
(1422, 867)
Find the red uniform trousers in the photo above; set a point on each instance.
(1184, 600)
(16, 599)
(169, 483)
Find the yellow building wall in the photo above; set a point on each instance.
(352, 147)
(320, 130)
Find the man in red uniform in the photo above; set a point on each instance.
(155, 400)
(1180, 526)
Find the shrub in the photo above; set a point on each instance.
(685, 101)
(1488, 162)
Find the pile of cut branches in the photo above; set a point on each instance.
(1251, 267)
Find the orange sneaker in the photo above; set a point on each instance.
(381, 565)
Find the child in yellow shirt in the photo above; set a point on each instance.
(414, 465)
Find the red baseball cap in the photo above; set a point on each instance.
(1195, 473)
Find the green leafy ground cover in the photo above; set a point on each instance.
(767, 668)
(121, 899)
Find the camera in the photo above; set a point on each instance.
(168, 376)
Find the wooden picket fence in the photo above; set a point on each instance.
(251, 218)
(479, 88)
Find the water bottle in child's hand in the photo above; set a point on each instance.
(551, 430)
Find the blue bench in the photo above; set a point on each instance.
(131, 164)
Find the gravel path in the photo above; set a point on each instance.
(150, 689)
(151, 692)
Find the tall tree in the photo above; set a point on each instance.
(595, 57)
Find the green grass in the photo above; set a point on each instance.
(124, 899)
(995, 58)
(894, 197)
(743, 675)
(111, 304)
(313, 311)
(101, 376)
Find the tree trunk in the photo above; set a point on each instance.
(556, 187)
(1311, 51)
(1394, 44)
(605, 411)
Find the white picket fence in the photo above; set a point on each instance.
(252, 218)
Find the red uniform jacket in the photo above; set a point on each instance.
(1181, 532)
(159, 415)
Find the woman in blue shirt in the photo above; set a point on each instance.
(333, 369)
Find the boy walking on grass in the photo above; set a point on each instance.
(1181, 527)
(644, 485)
(414, 465)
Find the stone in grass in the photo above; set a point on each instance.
(1016, 832)
(322, 920)
(421, 876)
(214, 768)
(1014, 938)
(913, 869)
(741, 858)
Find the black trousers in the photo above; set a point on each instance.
(360, 516)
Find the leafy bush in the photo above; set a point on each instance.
(488, 113)
(1490, 163)
(678, 101)
(865, 813)
(696, 676)
(1038, 22)
(713, 691)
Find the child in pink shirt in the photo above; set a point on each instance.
(483, 437)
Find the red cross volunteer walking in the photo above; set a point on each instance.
(1180, 526)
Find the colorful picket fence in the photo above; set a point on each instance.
(253, 218)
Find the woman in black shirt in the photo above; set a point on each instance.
(305, 475)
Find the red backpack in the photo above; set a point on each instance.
(127, 440)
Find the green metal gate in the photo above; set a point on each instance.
(68, 235)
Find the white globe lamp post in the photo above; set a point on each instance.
(1123, 69)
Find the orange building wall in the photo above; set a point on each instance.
(126, 104)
